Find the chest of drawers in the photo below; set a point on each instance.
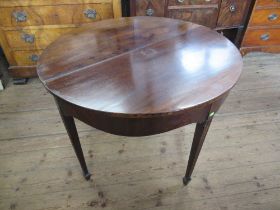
(263, 31)
(27, 27)
(225, 16)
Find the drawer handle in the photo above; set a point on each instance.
(181, 1)
(264, 37)
(28, 38)
(20, 16)
(272, 17)
(232, 8)
(150, 12)
(90, 13)
(34, 57)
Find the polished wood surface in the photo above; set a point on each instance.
(270, 17)
(191, 2)
(157, 7)
(28, 25)
(54, 14)
(254, 37)
(238, 167)
(41, 37)
(267, 3)
(196, 15)
(140, 65)
(229, 17)
(233, 13)
(140, 76)
(263, 31)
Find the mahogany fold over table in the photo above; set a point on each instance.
(140, 76)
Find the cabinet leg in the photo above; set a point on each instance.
(199, 137)
(70, 126)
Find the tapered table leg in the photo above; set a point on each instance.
(70, 126)
(199, 137)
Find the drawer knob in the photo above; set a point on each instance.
(272, 17)
(232, 8)
(150, 12)
(20, 16)
(264, 37)
(181, 1)
(90, 13)
(28, 38)
(34, 57)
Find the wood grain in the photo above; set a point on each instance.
(233, 18)
(267, 3)
(24, 57)
(55, 15)
(253, 37)
(15, 3)
(196, 15)
(191, 2)
(139, 7)
(240, 157)
(262, 33)
(42, 37)
(45, 21)
(157, 48)
(178, 91)
(261, 17)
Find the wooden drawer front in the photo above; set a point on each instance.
(22, 71)
(191, 2)
(261, 37)
(269, 3)
(232, 12)
(33, 38)
(15, 3)
(206, 17)
(26, 58)
(265, 17)
(149, 8)
(54, 15)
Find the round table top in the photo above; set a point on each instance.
(140, 65)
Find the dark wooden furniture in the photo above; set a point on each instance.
(140, 76)
(263, 31)
(226, 16)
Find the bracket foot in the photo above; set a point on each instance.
(21, 81)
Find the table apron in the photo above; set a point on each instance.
(140, 125)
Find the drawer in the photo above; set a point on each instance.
(191, 2)
(15, 3)
(261, 37)
(205, 16)
(22, 71)
(265, 17)
(26, 58)
(149, 7)
(268, 3)
(36, 38)
(232, 12)
(54, 15)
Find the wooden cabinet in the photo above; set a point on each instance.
(226, 16)
(191, 2)
(232, 13)
(149, 8)
(196, 15)
(28, 27)
(263, 31)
